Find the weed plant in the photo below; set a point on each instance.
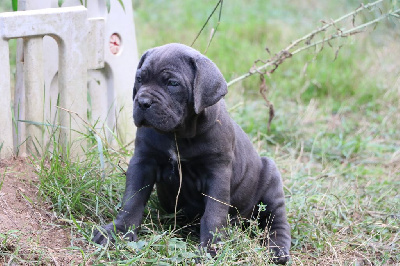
(335, 138)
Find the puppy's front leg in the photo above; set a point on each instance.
(217, 203)
(140, 179)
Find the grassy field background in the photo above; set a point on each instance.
(335, 138)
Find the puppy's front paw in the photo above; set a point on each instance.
(108, 233)
(104, 234)
(279, 255)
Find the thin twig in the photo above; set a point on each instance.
(347, 33)
(215, 30)
(217, 200)
(180, 179)
(332, 23)
(209, 17)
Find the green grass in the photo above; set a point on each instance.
(335, 138)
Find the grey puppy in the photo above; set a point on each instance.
(179, 111)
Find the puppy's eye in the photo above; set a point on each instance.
(173, 83)
(139, 79)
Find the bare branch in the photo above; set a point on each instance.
(214, 30)
(280, 57)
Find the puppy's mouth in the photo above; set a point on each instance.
(157, 116)
(142, 123)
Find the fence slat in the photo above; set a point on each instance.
(34, 93)
(6, 137)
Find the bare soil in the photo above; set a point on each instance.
(29, 231)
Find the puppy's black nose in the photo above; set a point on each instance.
(144, 102)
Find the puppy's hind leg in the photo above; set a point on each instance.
(272, 213)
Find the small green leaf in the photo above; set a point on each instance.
(137, 246)
(108, 6)
(2, 181)
(101, 155)
(14, 5)
(26, 197)
(36, 123)
(60, 3)
(122, 4)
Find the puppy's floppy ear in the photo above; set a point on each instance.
(144, 56)
(141, 61)
(209, 84)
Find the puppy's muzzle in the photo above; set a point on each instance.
(144, 102)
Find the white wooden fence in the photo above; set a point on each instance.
(66, 56)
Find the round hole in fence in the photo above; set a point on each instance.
(115, 43)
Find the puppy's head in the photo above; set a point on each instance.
(174, 84)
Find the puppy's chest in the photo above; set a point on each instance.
(194, 172)
(175, 156)
(183, 153)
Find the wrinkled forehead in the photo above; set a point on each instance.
(170, 59)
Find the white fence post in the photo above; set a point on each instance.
(72, 76)
(70, 27)
(34, 94)
(122, 65)
(26, 107)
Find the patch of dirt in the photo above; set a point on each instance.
(29, 230)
